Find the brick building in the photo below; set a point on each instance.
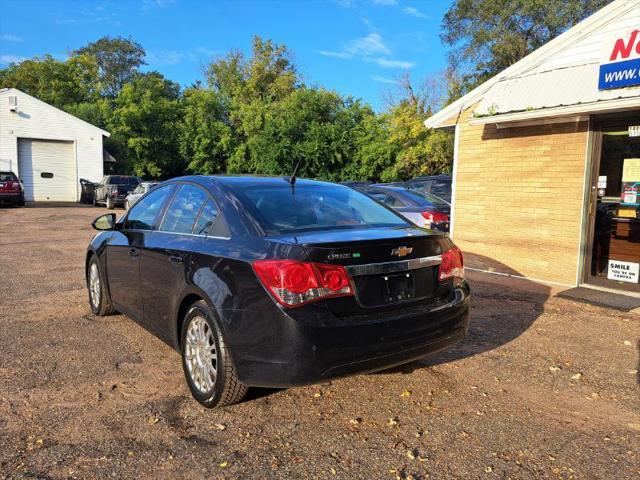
(547, 159)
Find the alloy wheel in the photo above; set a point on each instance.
(201, 355)
(94, 285)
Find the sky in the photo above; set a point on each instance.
(356, 47)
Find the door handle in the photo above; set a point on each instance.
(176, 259)
(133, 253)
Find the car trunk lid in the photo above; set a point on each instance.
(389, 268)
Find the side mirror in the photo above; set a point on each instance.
(105, 222)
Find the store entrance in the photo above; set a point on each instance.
(614, 207)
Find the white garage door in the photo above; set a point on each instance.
(47, 170)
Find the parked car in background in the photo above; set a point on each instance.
(438, 185)
(137, 193)
(88, 191)
(423, 209)
(355, 183)
(266, 282)
(11, 189)
(113, 190)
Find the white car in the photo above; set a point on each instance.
(139, 191)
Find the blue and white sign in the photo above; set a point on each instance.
(620, 61)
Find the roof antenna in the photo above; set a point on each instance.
(292, 178)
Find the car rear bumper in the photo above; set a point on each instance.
(298, 352)
(11, 198)
(119, 200)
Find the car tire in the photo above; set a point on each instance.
(206, 362)
(95, 201)
(110, 204)
(99, 300)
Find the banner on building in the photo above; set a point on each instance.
(620, 61)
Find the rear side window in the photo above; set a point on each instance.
(206, 218)
(184, 209)
(143, 214)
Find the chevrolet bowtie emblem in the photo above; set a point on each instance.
(401, 251)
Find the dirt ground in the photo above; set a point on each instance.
(543, 387)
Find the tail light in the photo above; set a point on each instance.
(14, 186)
(452, 265)
(435, 217)
(294, 283)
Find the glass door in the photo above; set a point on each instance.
(614, 207)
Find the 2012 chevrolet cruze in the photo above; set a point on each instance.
(276, 282)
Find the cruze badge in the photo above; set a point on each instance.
(343, 256)
(401, 251)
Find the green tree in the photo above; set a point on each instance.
(60, 84)
(310, 126)
(144, 123)
(249, 87)
(418, 151)
(205, 139)
(373, 154)
(487, 36)
(118, 60)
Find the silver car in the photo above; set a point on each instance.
(139, 191)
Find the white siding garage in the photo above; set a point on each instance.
(50, 150)
(47, 169)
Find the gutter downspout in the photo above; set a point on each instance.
(456, 149)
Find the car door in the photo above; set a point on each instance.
(99, 191)
(166, 258)
(123, 252)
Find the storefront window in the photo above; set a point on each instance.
(615, 256)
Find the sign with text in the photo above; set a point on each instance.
(623, 271)
(630, 182)
(620, 60)
(634, 131)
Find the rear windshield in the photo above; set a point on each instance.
(423, 198)
(441, 188)
(314, 207)
(122, 180)
(8, 177)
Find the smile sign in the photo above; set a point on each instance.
(623, 271)
(620, 61)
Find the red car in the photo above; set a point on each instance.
(11, 190)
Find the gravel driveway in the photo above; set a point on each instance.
(544, 387)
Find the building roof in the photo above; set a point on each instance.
(4, 91)
(527, 90)
(549, 90)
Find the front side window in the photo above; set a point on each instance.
(184, 209)
(143, 214)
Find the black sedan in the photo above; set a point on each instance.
(274, 283)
